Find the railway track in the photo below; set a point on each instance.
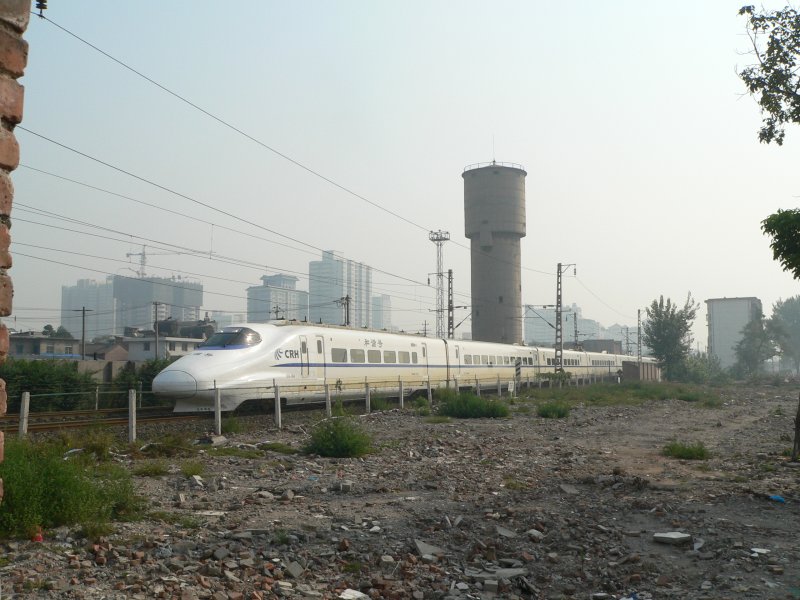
(78, 419)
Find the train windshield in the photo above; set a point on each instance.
(232, 337)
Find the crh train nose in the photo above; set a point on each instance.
(177, 384)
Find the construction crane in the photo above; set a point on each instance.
(143, 259)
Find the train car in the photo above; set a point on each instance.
(252, 360)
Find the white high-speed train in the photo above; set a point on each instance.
(247, 362)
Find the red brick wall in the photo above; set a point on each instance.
(14, 17)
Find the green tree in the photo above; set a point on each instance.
(48, 330)
(755, 347)
(131, 378)
(786, 324)
(667, 332)
(60, 380)
(774, 79)
(62, 333)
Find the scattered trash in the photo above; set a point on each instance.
(777, 498)
(37, 537)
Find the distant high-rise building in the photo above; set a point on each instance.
(276, 298)
(726, 318)
(331, 280)
(143, 300)
(98, 299)
(382, 312)
(135, 302)
(226, 319)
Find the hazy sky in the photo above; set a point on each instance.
(641, 148)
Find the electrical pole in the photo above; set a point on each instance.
(575, 323)
(451, 331)
(559, 359)
(155, 307)
(276, 309)
(83, 329)
(439, 238)
(345, 303)
(639, 340)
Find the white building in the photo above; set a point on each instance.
(726, 318)
(276, 298)
(145, 348)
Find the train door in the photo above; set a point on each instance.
(318, 361)
(303, 356)
(424, 360)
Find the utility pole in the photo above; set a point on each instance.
(450, 316)
(639, 340)
(155, 321)
(83, 329)
(439, 238)
(345, 302)
(559, 358)
(575, 323)
(276, 310)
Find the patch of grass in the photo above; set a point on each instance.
(512, 483)
(185, 521)
(696, 451)
(436, 419)
(522, 409)
(553, 410)
(151, 468)
(231, 425)
(94, 531)
(280, 538)
(379, 403)
(190, 468)
(352, 567)
(234, 451)
(469, 406)
(170, 445)
(340, 437)
(44, 490)
(278, 447)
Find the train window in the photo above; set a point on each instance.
(374, 356)
(414, 357)
(389, 356)
(467, 359)
(357, 356)
(319, 346)
(424, 351)
(172, 346)
(484, 359)
(303, 347)
(506, 360)
(457, 353)
(404, 357)
(232, 337)
(338, 355)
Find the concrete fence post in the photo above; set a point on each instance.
(217, 410)
(499, 388)
(430, 392)
(328, 411)
(278, 421)
(131, 415)
(455, 385)
(402, 393)
(366, 397)
(97, 398)
(24, 410)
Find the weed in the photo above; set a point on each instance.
(436, 419)
(470, 406)
(511, 483)
(352, 567)
(43, 490)
(185, 521)
(553, 410)
(378, 403)
(340, 438)
(170, 445)
(278, 447)
(696, 451)
(151, 468)
(281, 537)
(191, 468)
(231, 425)
(94, 531)
(234, 451)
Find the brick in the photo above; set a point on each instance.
(16, 13)
(5, 344)
(9, 149)
(13, 53)
(6, 193)
(12, 95)
(5, 243)
(6, 295)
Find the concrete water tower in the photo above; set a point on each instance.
(494, 221)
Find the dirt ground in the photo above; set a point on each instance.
(523, 507)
